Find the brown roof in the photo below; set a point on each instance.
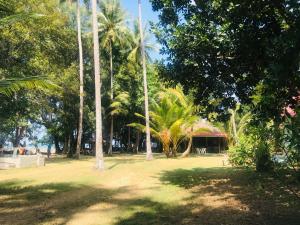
(205, 129)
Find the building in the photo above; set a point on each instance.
(208, 137)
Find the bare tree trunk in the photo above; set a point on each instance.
(16, 141)
(80, 125)
(111, 137)
(188, 150)
(129, 139)
(56, 144)
(99, 138)
(66, 148)
(70, 147)
(148, 138)
(111, 98)
(137, 141)
(18, 136)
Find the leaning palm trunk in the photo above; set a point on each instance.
(99, 140)
(148, 140)
(79, 135)
(189, 148)
(112, 98)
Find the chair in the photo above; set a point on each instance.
(203, 151)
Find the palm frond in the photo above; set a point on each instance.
(119, 104)
(10, 86)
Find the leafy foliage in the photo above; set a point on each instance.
(290, 141)
(254, 148)
(10, 86)
(232, 50)
(172, 116)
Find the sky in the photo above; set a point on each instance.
(131, 6)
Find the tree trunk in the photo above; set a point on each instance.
(56, 144)
(65, 149)
(99, 138)
(129, 139)
(111, 98)
(137, 141)
(234, 127)
(71, 146)
(16, 141)
(111, 136)
(18, 136)
(80, 122)
(149, 155)
(188, 150)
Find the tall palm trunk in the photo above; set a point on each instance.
(99, 138)
(112, 98)
(148, 140)
(80, 125)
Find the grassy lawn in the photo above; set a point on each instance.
(196, 190)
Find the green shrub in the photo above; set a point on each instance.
(263, 161)
(253, 149)
(242, 154)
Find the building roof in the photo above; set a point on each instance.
(205, 129)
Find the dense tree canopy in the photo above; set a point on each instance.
(38, 42)
(228, 51)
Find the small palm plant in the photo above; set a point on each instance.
(172, 117)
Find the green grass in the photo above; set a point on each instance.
(196, 190)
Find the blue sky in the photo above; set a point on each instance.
(131, 7)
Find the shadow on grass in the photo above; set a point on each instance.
(224, 196)
(235, 196)
(38, 204)
(218, 196)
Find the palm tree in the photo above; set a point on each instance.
(113, 29)
(81, 91)
(70, 10)
(149, 155)
(172, 117)
(237, 124)
(99, 138)
(136, 44)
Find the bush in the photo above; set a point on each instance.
(263, 161)
(290, 141)
(253, 149)
(242, 154)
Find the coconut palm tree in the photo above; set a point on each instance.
(135, 54)
(172, 117)
(99, 138)
(70, 9)
(81, 91)
(113, 30)
(149, 155)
